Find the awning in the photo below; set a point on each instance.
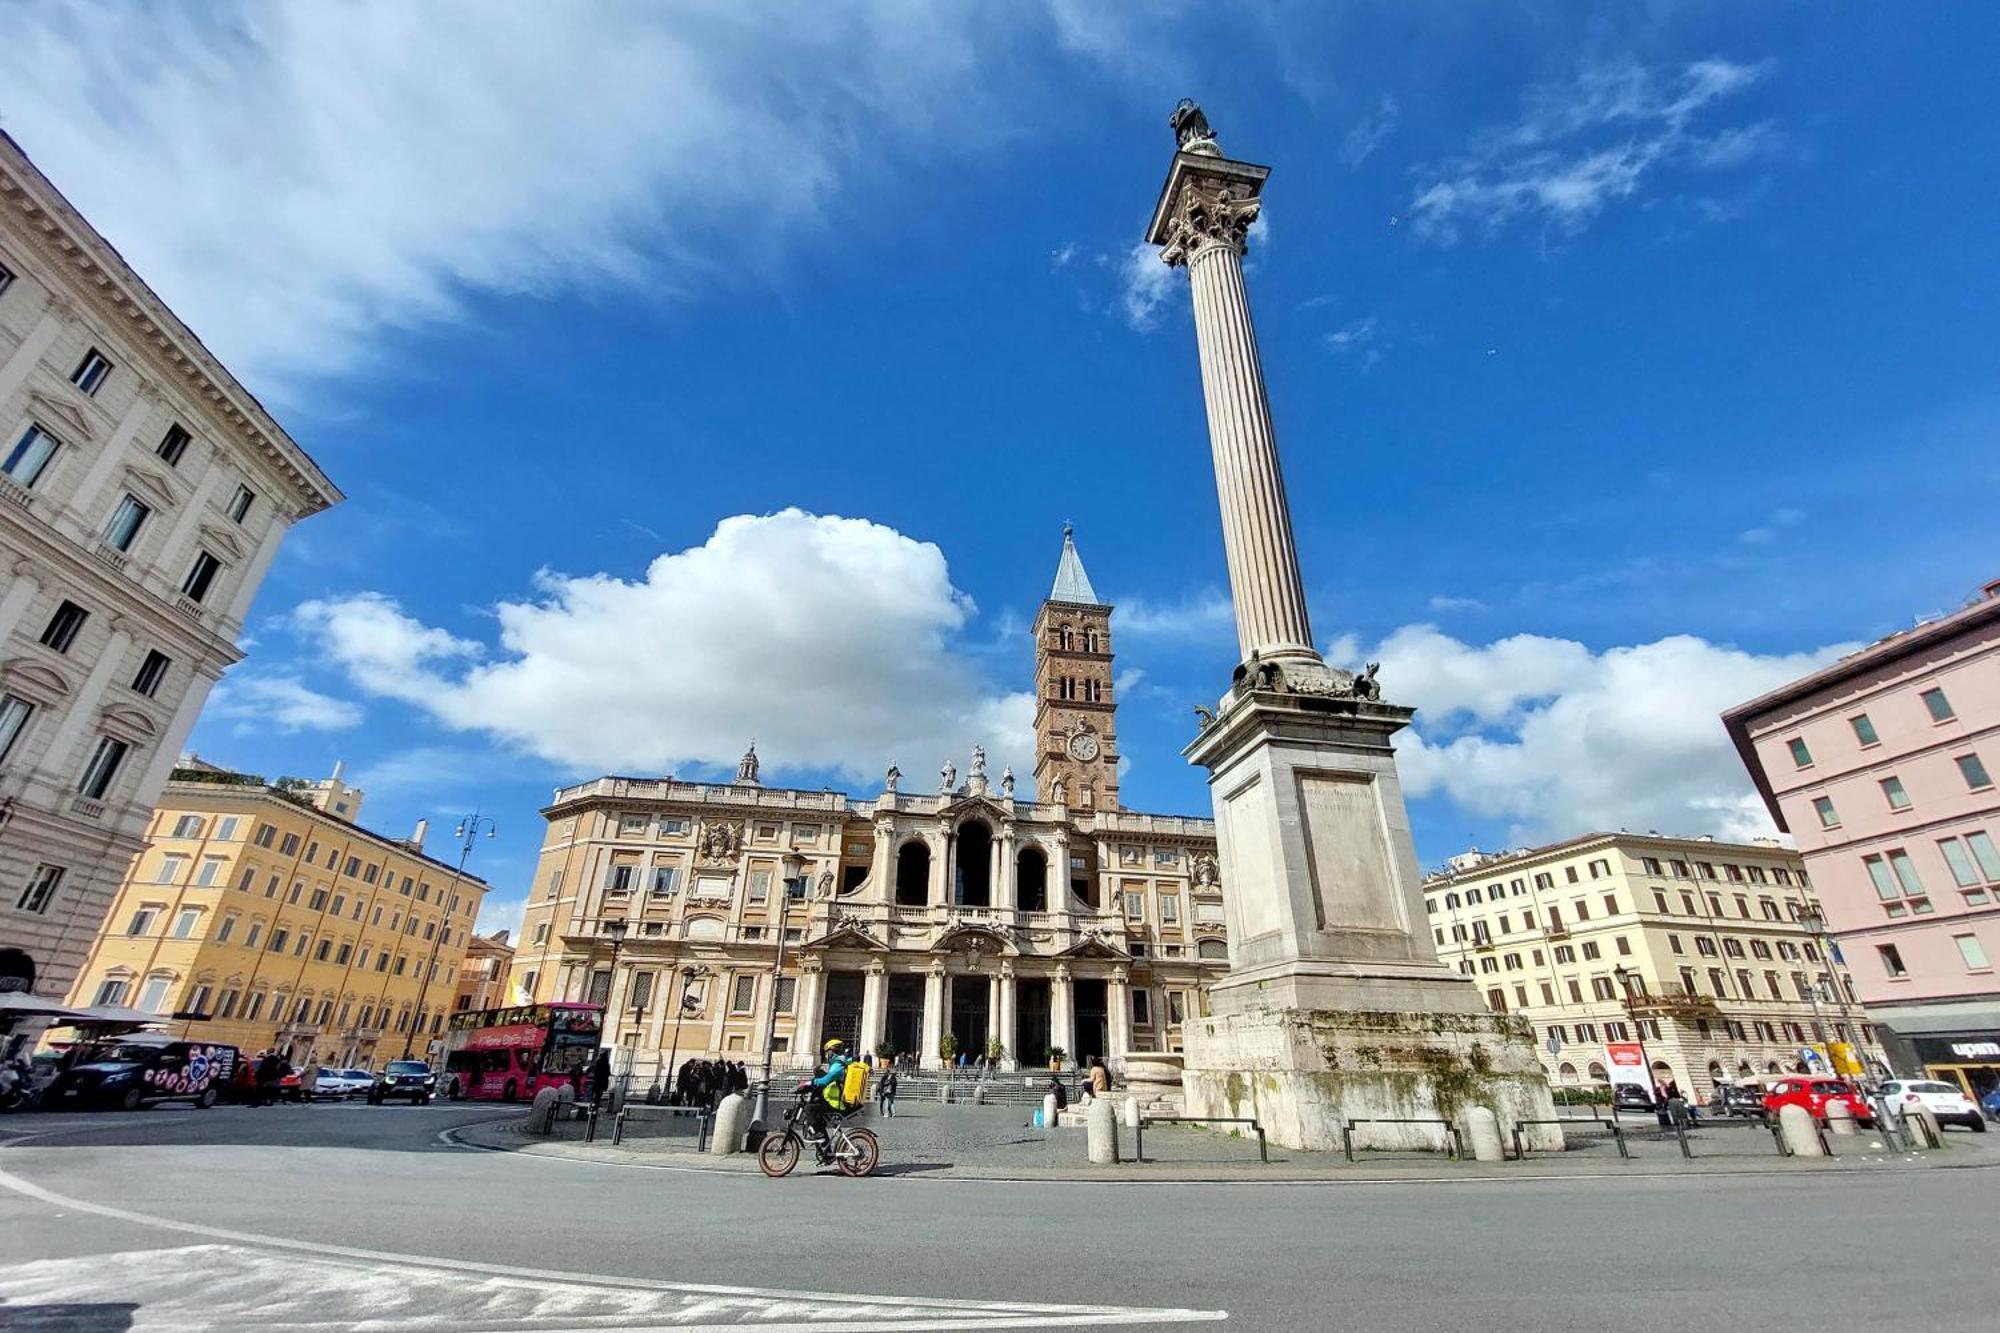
(110, 1016)
(20, 1004)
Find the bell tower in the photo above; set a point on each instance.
(1076, 720)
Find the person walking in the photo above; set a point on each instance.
(885, 1094)
(270, 1074)
(309, 1081)
(600, 1075)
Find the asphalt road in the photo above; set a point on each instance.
(328, 1216)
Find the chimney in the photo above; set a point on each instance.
(423, 830)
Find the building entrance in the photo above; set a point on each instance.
(904, 1030)
(1029, 1041)
(968, 1015)
(842, 1015)
(1093, 1019)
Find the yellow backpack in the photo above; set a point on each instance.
(851, 1089)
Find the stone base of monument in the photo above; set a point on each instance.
(1304, 1073)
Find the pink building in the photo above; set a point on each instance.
(1882, 767)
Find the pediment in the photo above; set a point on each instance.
(971, 804)
(63, 416)
(33, 680)
(848, 937)
(222, 540)
(151, 484)
(1094, 945)
(128, 723)
(956, 937)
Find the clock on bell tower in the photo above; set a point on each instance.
(1076, 720)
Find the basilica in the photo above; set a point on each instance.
(961, 923)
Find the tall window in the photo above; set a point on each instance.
(1973, 771)
(126, 520)
(91, 372)
(6, 279)
(1864, 730)
(173, 444)
(1937, 705)
(1801, 756)
(14, 715)
(64, 626)
(112, 992)
(200, 576)
(240, 502)
(142, 921)
(1894, 792)
(152, 673)
(41, 890)
(30, 456)
(102, 770)
(185, 923)
(1972, 952)
(1892, 960)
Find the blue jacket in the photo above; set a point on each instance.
(836, 1069)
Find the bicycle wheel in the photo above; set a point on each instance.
(859, 1156)
(778, 1154)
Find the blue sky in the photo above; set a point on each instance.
(1623, 367)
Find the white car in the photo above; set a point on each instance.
(339, 1084)
(1943, 1100)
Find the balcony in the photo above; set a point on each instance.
(13, 491)
(1675, 1004)
(189, 608)
(110, 556)
(86, 807)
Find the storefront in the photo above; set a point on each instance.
(1971, 1060)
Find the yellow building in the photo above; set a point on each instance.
(269, 910)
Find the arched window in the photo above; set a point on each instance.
(1065, 637)
(1597, 1072)
(1031, 880)
(1567, 1073)
(1211, 949)
(1091, 642)
(974, 865)
(913, 874)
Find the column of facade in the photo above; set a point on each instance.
(882, 864)
(1062, 1012)
(33, 347)
(253, 574)
(21, 594)
(1006, 887)
(993, 872)
(943, 894)
(111, 458)
(874, 1005)
(57, 766)
(807, 1004)
(933, 1016)
(1009, 1028)
(1118, 1004)
(992, 1012)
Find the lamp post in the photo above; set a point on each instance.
(1624, 975)
(613, 929)
(1814, 920)
(467, 834)
(689, 974)
(794, 869)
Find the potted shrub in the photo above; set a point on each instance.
(886, 1052)
(994, 1050)
(948, 1048)
(1056, 1054)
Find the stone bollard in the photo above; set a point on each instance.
(1101, 1128)
(944, 1092)
(1131, 1113)
(1839, 1119)
(1801, 1136)
(1924, 1127)
(542, 1115)
(732, 1124)
(979, 1094)
(1049, 1111)
(1482, 1133)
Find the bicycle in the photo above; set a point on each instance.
(852, 1152)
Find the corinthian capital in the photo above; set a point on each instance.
(1206, 216)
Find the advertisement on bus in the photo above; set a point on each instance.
(510, 1054)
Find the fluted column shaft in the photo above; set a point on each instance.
(1264, 579)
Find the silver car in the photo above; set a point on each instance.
(337, 1085)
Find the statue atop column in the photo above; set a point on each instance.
(978, 773)
(1191, 131)
(891, 778)
(1007, 783)
(948, 777)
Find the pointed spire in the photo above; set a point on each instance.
(1072, 584)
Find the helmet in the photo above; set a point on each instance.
(832, 1044)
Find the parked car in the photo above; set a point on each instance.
(131, 1072)
(290, 1089)
(1944, 1100)
(1814, 1093)
(1738, 1099)
(408, 1079)
(1631, 1097)
(338, 1085)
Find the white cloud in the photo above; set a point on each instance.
(830, 640)
(1767, 532)
(1443, 603)
(280, 703)
(1584, 145)
(1562, 740)
(1368, 134)
(294, 179)
(1199, 615)
(1062, 255)
(1147, 285)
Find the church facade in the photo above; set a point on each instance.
(960, 922)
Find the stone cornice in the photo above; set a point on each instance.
(117, 293)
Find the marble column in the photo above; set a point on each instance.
(1009, 1029)
(933, 1017)
(1062, 1013)
(806, 1006)
(1118, 1016)
(992, 1012)
(874, 1005)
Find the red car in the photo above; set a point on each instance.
(1813, 1093)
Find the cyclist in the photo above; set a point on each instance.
(831, 1085)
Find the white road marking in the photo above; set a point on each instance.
(242, 1284)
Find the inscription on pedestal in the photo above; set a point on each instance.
(1353, 879)
(1247, 834)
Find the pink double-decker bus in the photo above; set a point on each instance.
(507, 1054)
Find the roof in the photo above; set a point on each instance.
(1072, 584)
(1905, 643)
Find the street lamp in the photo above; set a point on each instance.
(794, 869)
(689, 975)
(467, 834)
(1625, 975)
(1813, 918)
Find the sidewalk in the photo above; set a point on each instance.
(992, 1143)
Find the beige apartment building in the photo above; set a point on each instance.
(934, 923)
(1703, 950)
(143, 495)
(283, 921)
